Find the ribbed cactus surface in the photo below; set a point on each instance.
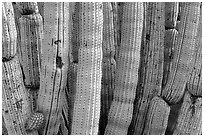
(126, 77)
(102, 68)
(53, 74)
(88, 85)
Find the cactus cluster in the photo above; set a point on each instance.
(101, 68)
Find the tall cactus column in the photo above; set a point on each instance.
(184, 53)
(108, 65)
(88, 86)
(126, 78)
(151, 72)
(16, 108)
(54, 66)
(31, 33)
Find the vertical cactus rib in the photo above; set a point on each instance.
(194, 84)
(152, 64)
(169, 43)
(88, 86)
(190, 116)
(108, 65)
(31, 34)
(53, 74)
(15, 105)
(9, 34)
(183, 57)
(171, 14)
(75, 34)
(157, 117)
(120, 113)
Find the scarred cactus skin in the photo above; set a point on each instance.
(35, 122)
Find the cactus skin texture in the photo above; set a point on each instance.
(31, 34)
(120, 113)
(151, 72)
(9, 33)
(108, 65)
(169, 46)
(183, 56)
(35, 122)
(190, 116)
(53, 74)
(15, 104)
(88, 86)
(194, 84)
(157, 117)
(72, 79)
(171, 14)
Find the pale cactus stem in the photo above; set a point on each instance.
(54, 65)
(28, 8)
(151, 73)
(194, 84)
(9, 33)
(126, 77)
(171, 14)
(190, 116)
(169, 44)
(31, 35)
(184, 53)
(89, 70)
(157, 117)
(16, 107)
(108, 65)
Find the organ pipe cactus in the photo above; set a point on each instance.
(101, 68)
(88, 85)
(189, 121)
(152, 64)
(126, 77)
(53, 74)
(9, 34)
(184, 53)
(157, 117)
(31, 34)
(15, 103)
(108, 65)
